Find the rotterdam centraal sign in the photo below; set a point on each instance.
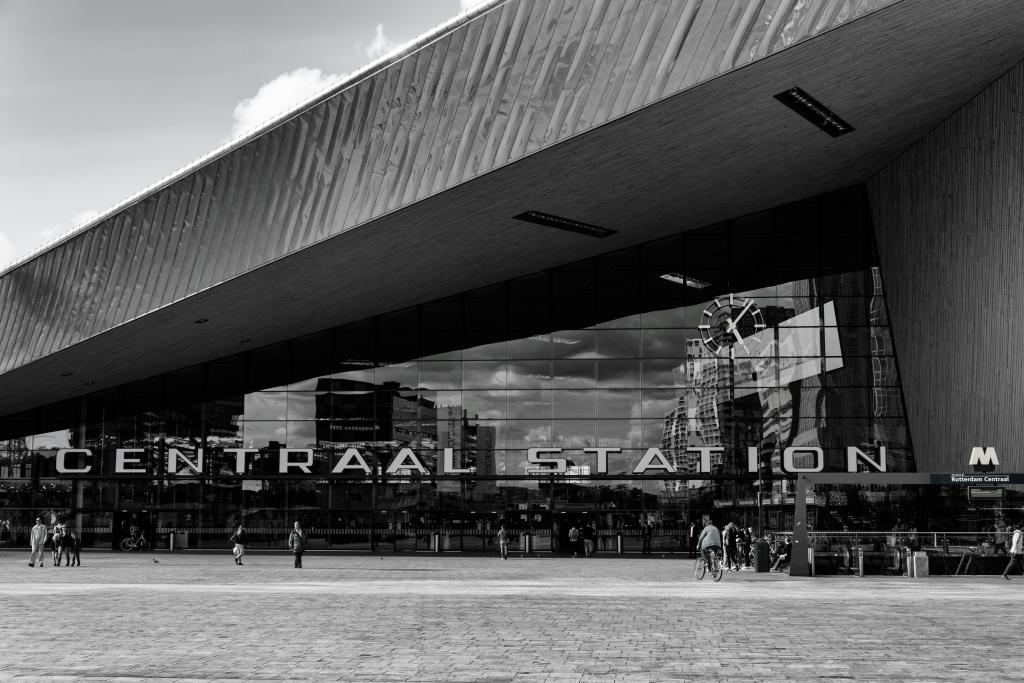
(539, 461)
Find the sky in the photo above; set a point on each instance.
(100, 99)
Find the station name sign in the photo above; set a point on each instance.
(989, 479)
(540, 461)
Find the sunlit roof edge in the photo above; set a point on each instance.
(355, 77)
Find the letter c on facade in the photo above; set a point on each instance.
(64, 469)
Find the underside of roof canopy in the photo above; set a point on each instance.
(641, 117)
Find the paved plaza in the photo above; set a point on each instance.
(456, 618)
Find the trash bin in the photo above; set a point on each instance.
(762, 558)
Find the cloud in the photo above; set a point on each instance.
(48, 235)
(6, 250)
(78, 220)
(380, 45)
(279, 95)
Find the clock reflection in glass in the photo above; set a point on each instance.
(728, 323)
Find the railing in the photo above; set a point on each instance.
(845, 552)
(891, 552)
(382, 538)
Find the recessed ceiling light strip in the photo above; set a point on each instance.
(814, 111)
(550, 221)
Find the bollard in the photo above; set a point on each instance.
(810, 562)
(618, 544)
(526, 543)
(860, 562)
(436, 539)
(171, 538)
(919, 562)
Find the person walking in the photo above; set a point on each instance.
(646, 532)
(503, 542)
(746, 544)
(297, 544)
(1016, 550)
(588, 540)
(37, 539)
(240, 538)
(574, 540)
(729, 541)
(694, 534)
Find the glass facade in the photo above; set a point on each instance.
(655, 384)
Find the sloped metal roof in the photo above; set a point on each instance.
(512, 79)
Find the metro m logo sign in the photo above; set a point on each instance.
(984, 458)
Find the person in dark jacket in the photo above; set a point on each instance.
(588, 540)
(785, 550)
(746, 543)
(730, 538)
(297, 544)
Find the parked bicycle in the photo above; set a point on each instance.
(138, 542)
(702, 567)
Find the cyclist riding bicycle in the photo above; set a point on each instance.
(710, 541)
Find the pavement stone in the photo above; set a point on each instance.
(422, 617)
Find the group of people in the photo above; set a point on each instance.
(734, 543)
(581, 540)
(298, 541)
(63, 540)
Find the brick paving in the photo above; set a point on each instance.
(457, 618)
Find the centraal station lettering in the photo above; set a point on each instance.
(543, 461)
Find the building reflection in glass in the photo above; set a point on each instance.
(767, 332)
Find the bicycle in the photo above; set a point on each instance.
(701, 568)
(129, 543)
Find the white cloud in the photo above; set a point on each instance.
(48, 235)
(538, 435)
(279, 95)
(6, 250)
(380, 45)
(81, 218)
